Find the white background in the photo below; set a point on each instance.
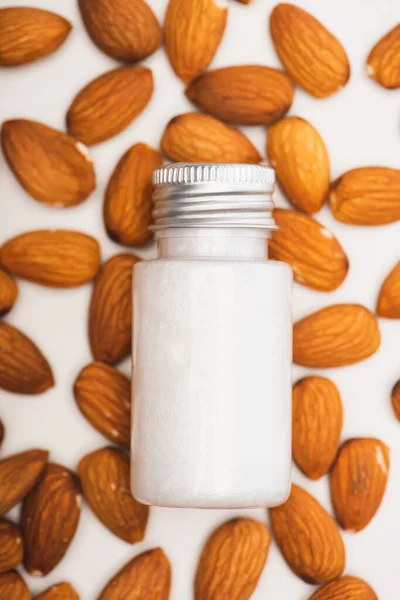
(360, 126)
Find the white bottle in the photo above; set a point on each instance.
(212, 345)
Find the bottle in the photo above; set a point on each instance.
(212, 346)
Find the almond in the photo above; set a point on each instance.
(110, 312)
(312, 55)
(18, 475)
(27, 34)
(396, 399)
(2, 431)
(299, 156)
(147, 576)
(128, 204)
(103, 395)
(389, 295)
(52, 166)
(49, 518)
(246, 95)
(109, 103)
(335, 336)
(127, 31)
(13, 587)
(367, 196)
(52, 257)
(308, 538)
(358, 481)
(232, 560)
(383, 62)
(8, 292)
(317, 259)
(317, 425)
(345, 588)
(193, 32)
(59, 591)
(11, 546)
(23, 367)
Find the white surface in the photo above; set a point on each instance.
(361, 127)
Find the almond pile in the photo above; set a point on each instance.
(55, 168)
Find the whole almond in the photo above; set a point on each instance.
(23, 367)
(389, 295)
(49, 518)
(27, 34)
(358, 481)
(59, 591)
(13, 587)
(105, 478)
(193, 32)
(308, 538)
(18, 475)
(345, 588)
(146, 576)
(367, 196)
(53, 257)
(52, 166)
(195, 137)
(317, 259)
(110, 312)
(396, 399)
(127, 31)
(335, 336)
(299, 156)
(317, 425)
(232, 560)
(312, 55)
(109, 103)
(8, 292)
(246, 94)
(103, 395)
(11, 546)
(383, 62)
(128, 204)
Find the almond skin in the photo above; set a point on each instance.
(246, 95)
(11, 546)
(396, 399)
(389, 295)
(13, 587)
(383, 62)
(127, 31)
(8, 292)
(313, 56)
(2, 432)
(345, 588)
(109, 103)
(49, 518)
(232, 560)
(193, 31)
(52, 257)
(23, 367)
(335, 336)
(128, 204)
(315, 255)
(317, 421)
(299, 156)
(27, 34)
(308, 538)
(51, 165)
(147, 576)
(367, 196)
(59, 591)
(18, 475)
(358, 481)
(103, 396)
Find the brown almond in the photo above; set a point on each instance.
(128, 204)
(317, 259)
(18, 475)
(27, 34)
(8, 292)
(335, 336)
(110, 312)
(109, 103)
(23, 367)
(308, 538)
(358, 481)
(246, 94)
(53, 257)
(11, 546)
(383, 62)
(146, 576)
(299, 156)
(311, 54)
(103, 396)
(396, 399)
(389, 295)
(367, 196)
(2, 432)
(232, 560)
(127, 31)
(49, 518)
(13, 587)
(345, 588)
(59, 591)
